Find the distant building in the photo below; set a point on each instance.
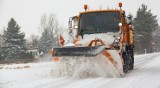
(33, 52)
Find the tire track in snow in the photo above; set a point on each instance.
(85, 83)
(52, 82)
(141, 78)
(142, 60)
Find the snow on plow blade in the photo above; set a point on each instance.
(78, 51)
(87, 62)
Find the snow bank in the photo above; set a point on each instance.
(17, 72)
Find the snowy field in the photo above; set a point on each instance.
(146, 74)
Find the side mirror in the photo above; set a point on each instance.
(70, 24)
(129, 19)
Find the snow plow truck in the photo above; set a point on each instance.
(102, 38)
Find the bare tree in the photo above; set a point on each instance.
(50, 23)
(43, 23)
(32, 43)
(50, 32)
(54, 28)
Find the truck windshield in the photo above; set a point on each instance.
(99, 22)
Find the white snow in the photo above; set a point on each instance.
(103, 36)
(87, 38)
(146, 74)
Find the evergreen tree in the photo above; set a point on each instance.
(145, 24)
(46, 41)
(1, 43)
(156, 38)
(14, 44)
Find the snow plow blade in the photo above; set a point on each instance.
(78, 51)
(85, 61)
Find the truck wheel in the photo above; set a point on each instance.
(125, 68)
(131, 66)
(125, 59)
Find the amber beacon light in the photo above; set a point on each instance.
(85, 7)
(120, 4)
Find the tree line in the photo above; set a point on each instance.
(146, 31)
(13, 44)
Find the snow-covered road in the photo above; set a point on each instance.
(146, 74)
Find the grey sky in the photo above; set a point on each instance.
(27, 13)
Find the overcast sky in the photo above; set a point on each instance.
(28, 13)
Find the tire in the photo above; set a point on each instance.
(125, 68)
(126, 65)
(131, 65)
